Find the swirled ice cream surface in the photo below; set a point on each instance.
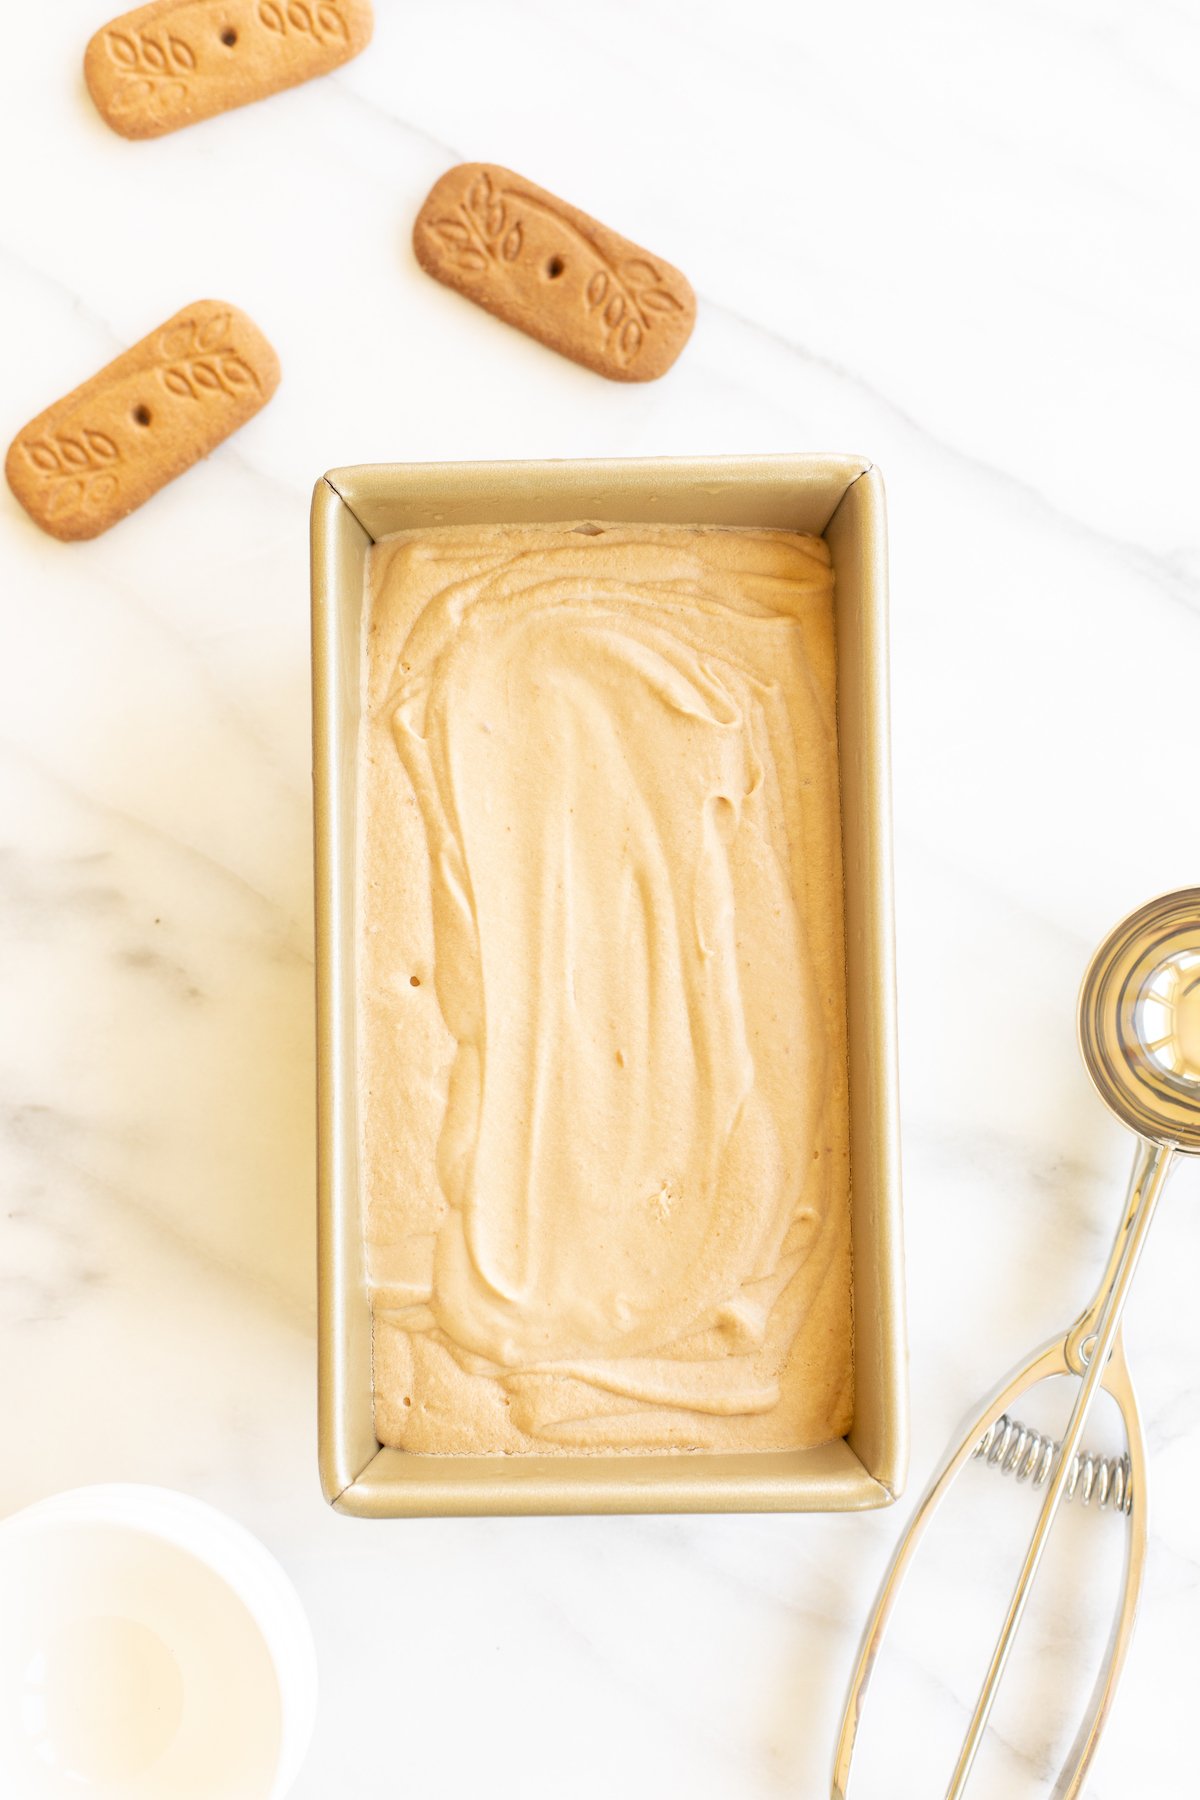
(602, 1022)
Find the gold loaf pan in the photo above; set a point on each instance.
(841, 498)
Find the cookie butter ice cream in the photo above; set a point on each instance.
(604, 1121)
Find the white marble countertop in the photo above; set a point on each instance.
(950, 236)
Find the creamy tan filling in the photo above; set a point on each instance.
(604, 1016)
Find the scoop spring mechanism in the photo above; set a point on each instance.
(1017, 1449)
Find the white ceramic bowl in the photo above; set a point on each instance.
(150, 1649)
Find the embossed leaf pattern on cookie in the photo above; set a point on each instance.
(77, 469)
(645, 281)
(619, 308)
(490, 231)
(157, 68)
(625, 301)
(321, 21)
(200, 359)
(454, 238)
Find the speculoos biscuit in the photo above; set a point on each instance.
(105, 448)
(554, 272)
(176, 62)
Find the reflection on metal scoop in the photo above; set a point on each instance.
(1139, 1021)
(1139, 1033)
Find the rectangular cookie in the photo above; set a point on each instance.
(102, 450)
(175, 62)
(554, 272)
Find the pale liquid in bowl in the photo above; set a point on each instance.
(129, 1671)
(104, 1701)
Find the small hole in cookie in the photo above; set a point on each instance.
(555, 267)
(588, 530)
(141, 415)
(414, 981)
(229, 37)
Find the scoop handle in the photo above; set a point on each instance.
(1050, 1360)
(1104, 1366)
(1074, 1773)
(1151, 1168)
